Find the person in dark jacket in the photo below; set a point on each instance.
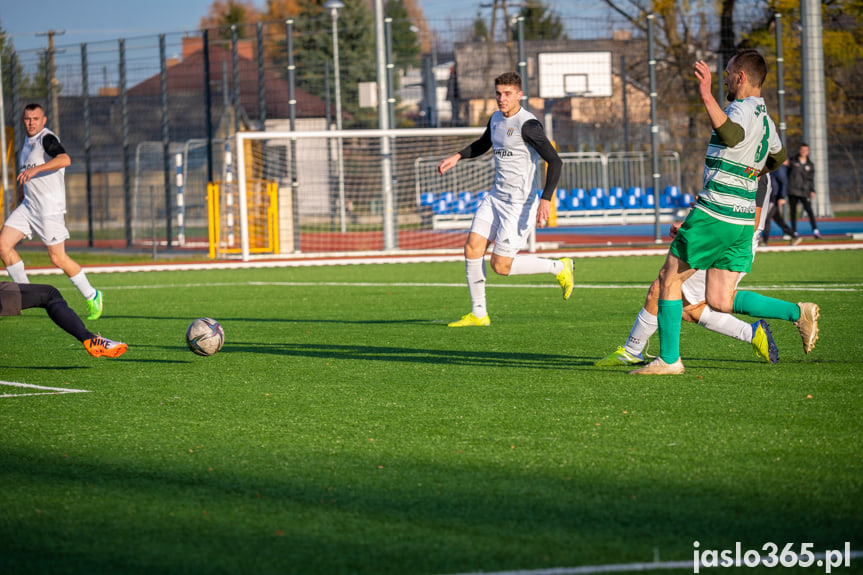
(779, 184)
(801, 188)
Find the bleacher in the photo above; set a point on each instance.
(577, 206)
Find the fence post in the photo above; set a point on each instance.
(262, 87)
(88, 167)
(181, 224)
(207, 106)
(522, 65)
(166, 140)
(292, 107)
(124, 111)
(654, 127)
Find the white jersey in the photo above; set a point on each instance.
(515, 161)
(731, 174)
(44, 193)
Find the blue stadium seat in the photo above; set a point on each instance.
(610, 203)
(441, 208)
(617, 192)
(646, 200)
(593, 203)
(448, 197)
(427, 199)
(597, 192)
(463, 206)
(561, 194)
(578, 193)
(465, 196)
(672, 191)
(631, 203)
(635, 192)
(572, 203)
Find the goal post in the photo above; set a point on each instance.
(351, 210)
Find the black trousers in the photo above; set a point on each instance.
(48, 297)
(775, 215)
(793, 201)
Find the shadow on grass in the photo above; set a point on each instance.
(336, 513)
(461, 357)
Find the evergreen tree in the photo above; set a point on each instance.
(406, 48)
(314, 44)
(479, 30)
(6, 51)
(540, 23)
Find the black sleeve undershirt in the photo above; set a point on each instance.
(480, 146)
(52, 145)
(533, 133)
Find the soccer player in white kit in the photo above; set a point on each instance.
(507, 216)
(42, 208)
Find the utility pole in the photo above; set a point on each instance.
(54, 84)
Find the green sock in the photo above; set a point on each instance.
(670, 315)
(757, 305)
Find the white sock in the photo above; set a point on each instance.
(645, 326)
(726, 324)
(527, 265)
(17, 273)
(475, 273)
(81, 282)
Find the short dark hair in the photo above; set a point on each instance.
(34, 106)
(751, 62)
(508, 79)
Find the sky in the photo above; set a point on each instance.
(93, 21)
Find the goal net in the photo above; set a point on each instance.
(352, 191)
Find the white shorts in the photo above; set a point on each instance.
(506, 224)
(695, 287)
(52, 229)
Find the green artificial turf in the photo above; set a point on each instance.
(343, 428)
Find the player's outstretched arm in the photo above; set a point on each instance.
(714, 111)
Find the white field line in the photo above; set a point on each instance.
(341, 259)
(48, 390)
(851, 287)
(819, 559)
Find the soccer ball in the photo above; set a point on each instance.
(205, 336)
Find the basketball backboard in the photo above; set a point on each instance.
(574, 74)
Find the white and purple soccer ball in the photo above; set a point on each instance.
(205, 336)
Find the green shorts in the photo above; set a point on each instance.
(704, 242)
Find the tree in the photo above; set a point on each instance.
(6, 51)
(314, 45)
(406, 47)
(282, 9)
(225, 14)
(540, 23)
(842, 22)
(479, 31)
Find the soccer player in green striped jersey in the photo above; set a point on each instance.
(717, 235)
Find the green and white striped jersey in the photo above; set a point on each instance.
(731, 173)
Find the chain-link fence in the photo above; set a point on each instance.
(124, 109)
